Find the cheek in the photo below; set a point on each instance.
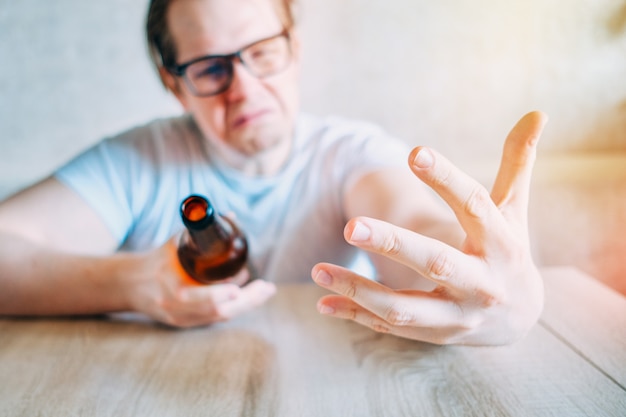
(287, 95)
(211, 117)
(218, 120)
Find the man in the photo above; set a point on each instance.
(97, 235)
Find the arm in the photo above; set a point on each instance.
(58, 257)
(485, 287)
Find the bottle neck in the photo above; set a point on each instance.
(197, 213)
(215, 237)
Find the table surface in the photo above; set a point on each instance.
(285, 359)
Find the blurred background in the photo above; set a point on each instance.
(452, 74)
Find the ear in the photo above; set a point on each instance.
(173, 84)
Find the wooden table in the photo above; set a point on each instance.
(287, 360)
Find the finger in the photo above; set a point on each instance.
(223, 302)
(196, 305)
(429, 257)
(212, 294)
(470, 201)
(433, 330)
(513, 180)
(171, 249)
(193, 303)
(400, 310)
(251, 296)
(398, 307)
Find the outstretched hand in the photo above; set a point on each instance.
(488, 290)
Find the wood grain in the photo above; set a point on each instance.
(286, 360)
(590, 316)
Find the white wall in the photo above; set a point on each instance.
(71, 71)
(454, 74)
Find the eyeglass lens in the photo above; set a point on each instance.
(262, 59)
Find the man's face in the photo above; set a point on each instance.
(254, 115)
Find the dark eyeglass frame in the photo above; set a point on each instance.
(181, 70)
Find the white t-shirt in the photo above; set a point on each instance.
(294, 219)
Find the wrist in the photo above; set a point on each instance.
(130, 277)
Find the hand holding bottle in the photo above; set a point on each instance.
(211, 251)
(158, 287)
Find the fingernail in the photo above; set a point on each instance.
(424, 158)
(324, 309)
(322, 277)
(360, 232)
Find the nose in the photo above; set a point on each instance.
(243, 83)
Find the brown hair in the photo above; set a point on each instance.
(160, 42)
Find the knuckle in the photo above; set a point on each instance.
(391, 244)
(349, 313)
(492, 299)
(477, 203)
(441, 266)
(489, 300)
(351, 289)
(380, 327)
(443, 179)
(399, 314)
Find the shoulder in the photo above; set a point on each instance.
(350, 138)
(142, 152)
(337, 127)
(165, 139)
(157, 130)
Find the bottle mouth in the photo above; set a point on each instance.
(196, 212)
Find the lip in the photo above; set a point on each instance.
(247, 118)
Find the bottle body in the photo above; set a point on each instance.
(212, 248)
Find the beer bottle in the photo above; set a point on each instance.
(212, 248)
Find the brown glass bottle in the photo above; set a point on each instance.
(212, 248)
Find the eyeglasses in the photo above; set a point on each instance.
(213, 74)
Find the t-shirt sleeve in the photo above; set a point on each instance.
(101, 176)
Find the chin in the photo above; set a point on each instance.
(262, 142)
(259, 146)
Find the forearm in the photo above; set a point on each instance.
(35, 280)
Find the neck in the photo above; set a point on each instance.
(264, 162)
